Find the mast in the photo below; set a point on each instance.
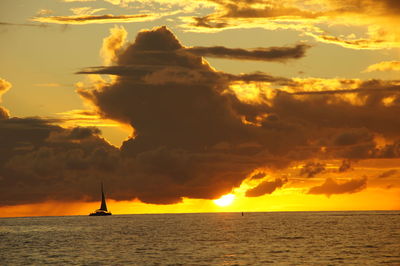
(103, 206)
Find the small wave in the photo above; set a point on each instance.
(290, 237)
(279, 251)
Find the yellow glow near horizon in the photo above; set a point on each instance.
(225, 200)
(378, 198)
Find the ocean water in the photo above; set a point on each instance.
(280, 238)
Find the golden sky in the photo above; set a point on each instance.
(282, 105)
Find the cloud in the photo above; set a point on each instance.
(216, 22)
(181, 129)
(182, 124)
(40, 161)
(330, 187)
(3, 113)
(85, 11)
(388, 173)
(195, 133)
(205, 22)
(264, 9)
(370, 42)
(266, 187)
(266, 54)
(122, 3)
(374, 7)
(187, 117)
(4, 87)
(90, 19)
(390, 150)
(358, 90)
(112, 44)
(160, 74)
(384, 66)
(258, 175)
(353, 137)
(21, 24)
(311, 169)
(362, 110)
(79, 133)
(168, 3)
(311, 18)
(43, 12)
(151, 74)
(345, 166)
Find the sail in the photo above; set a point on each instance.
(103, 206)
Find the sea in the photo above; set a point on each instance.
(270, 238)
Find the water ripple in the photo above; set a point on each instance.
(316, 238)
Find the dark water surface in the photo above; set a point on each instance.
(295, 238)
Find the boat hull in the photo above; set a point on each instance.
(100, 214)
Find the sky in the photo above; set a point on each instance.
(282, 105)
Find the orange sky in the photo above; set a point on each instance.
(371, 199)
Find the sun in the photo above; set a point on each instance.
(225, 200)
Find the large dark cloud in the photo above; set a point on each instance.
(190, 138)
(40, 161)
(193, 136)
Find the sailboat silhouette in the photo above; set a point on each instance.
(103, 207)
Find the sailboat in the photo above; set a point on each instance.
(103, 207)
